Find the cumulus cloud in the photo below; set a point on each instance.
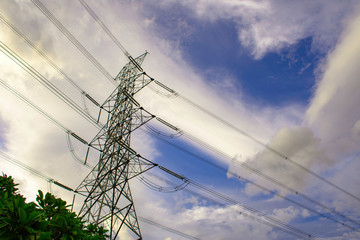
(297, 144)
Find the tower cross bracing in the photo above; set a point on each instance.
(108, 196)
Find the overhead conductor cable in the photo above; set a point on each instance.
(259, 173)
(53, 120)
(37, 173)
(73, 40)
(117, 42)
(46, 83)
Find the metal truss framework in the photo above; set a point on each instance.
(108, 196)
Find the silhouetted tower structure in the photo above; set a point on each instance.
(108, 196)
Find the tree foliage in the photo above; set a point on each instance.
(49, 218)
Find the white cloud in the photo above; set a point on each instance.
(305, 213)
(40, 144)
(270, 25)
(220, 223)
(328, 140)
(34, 140)
(286, 214)
(333, 112)
(334, 115)
(299, 145)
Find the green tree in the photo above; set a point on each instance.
(49, 218)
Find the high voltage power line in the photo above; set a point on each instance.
(206, 146)
(270, 179)
(74, 41)
(282, 226)
(40, 52)
(45, 177)
(193, 139)
(286, 228)
(47, 59)
(176, 94)
(105, 28)
(218, 118)
(49, 117)
(57, 123)
(46, 83)
(91, 58)
(229, 200)
(151, 222)
(86, 6)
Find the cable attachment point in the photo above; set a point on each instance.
(130, 98)
(78, 138)
(164, 87)
(167, 124)
(172, 173)
(63, 186)
(91, 99)
(132, 151)
(132, 60)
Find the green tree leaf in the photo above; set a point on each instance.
(49, 219)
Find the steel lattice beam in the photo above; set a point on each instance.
(108, 196)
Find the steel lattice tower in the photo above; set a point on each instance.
(106, 188)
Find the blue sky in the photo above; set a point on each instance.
(283, 72)
(276, 78)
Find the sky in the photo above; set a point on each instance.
(285, 73)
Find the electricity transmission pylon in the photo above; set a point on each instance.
(108, 197)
